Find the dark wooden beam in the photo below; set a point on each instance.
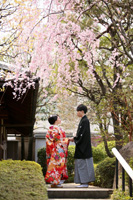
(16, 125)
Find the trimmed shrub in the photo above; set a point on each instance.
(21, 180)
(104, 173)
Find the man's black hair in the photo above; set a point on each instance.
(82, 107)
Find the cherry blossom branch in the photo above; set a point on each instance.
(90, 7)
(116, 29)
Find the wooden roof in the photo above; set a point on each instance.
(18, 115)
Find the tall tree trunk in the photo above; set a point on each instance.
(104, 136)
(117, 133)
(105, 143)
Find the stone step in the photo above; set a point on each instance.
(70, 191)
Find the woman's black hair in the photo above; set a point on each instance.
(82, 107)
(52, 119)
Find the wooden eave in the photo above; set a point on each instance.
(18, 114)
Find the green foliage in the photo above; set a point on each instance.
(111, 144)
(70, 159)
(105, 42)
(70, 163)
(104, 173)
(21, 180)
(127, 176)
(99, 152)
(42, 159)
(120, 195)
(131, 163)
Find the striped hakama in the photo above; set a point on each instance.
(84, 170)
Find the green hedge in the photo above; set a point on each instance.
(104, 173)
(21, 180)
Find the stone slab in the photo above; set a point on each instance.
(70, 191)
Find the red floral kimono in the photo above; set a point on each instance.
(56, 154)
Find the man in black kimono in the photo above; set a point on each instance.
(84, 169)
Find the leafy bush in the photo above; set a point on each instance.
(70, 163)
(111, 144)
(42, 159)
(131, 163)
(120, 195)
(98, 154)
(70, 159)
(127, 176)
(21, 180)
(104, 173)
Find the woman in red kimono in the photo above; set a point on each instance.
(56, 153)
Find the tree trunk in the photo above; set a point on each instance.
(118, 135)
(104, 137)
